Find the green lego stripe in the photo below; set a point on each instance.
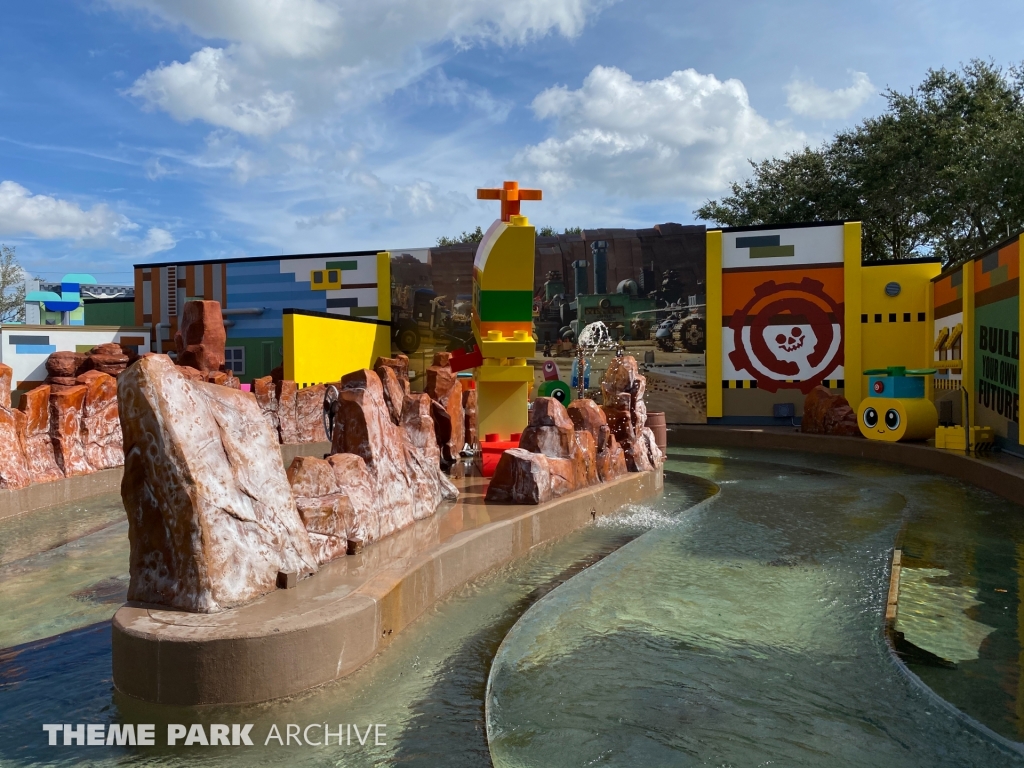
(771, 251)
(343, 265)
(506, 306)
(363, 312)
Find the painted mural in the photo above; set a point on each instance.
(782, 315)
(948, 327)
(997, 341)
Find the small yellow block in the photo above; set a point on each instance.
(522, 373)
(504, 346)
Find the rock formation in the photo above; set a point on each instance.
(108, 358)
(287, 414)
(587, 416)
(38, 447)
(444, 387)
(266, 398)
(407, 481)
(469, 397)
(14, 471)
(66, 407)
(63, 367)
(326, 512)
(828, 414)
(309, 414)
(101, 427)
(200, 339)
(563, 460)
(622, 391)
(211, 516)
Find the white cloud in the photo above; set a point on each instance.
(807, 99)
(312, 55)
(208, 87)
(157, 240)
(686, 135)
(50, 218)
(336, 216)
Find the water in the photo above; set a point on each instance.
(742, 631)
(427, 688)
(748, 634)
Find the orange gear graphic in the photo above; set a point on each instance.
(805, 299)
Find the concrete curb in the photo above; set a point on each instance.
(331, 624)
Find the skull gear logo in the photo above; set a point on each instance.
(789, 336)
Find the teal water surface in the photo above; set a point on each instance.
(747, 634)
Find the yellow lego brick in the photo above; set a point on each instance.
(504, 260)
(497, 345)
(504, 373)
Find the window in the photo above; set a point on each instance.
(234, 358)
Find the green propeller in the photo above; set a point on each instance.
(899, 370)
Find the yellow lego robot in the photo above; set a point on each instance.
(896, 408)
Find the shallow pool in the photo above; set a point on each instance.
(742, 628)
(748, 633)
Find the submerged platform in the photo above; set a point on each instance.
(333, 623)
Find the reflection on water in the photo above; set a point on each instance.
(750, 637)
(427, 688)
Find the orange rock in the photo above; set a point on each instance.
(66, 407)
(469, 398)
(309, 414)
(407, 481)
(324, 518)
(622, 390)
(38, 447)
(14, 472)
(266, 398)
(287, 414)
(65, 364)
(211, 516)
(200, 340)
(828, 414)
(550, 430)
(521, 477)
(399, 364)
(217, 377)
(394, 392)
(443, 386)
(101, 426)
(356, 483)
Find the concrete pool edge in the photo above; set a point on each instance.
(987, 475)
(237, 657)
(72, 489)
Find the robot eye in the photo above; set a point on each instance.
(559, 395)
(870, 418)
(892, 419)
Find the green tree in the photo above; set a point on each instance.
(466, 237)
(937, 173)
(12, 287)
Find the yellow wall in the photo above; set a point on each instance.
(853, 362)
(903, 342)
(320, 348)
(713, 324)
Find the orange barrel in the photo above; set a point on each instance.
(656, 421)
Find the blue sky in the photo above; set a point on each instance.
(153, 130)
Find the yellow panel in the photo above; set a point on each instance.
(713, 325)
(502, 407)
(322, 349)
(967, 347)
(325, 283)
(853, 362)
(903, 342)
(503, 373)
(507, 258)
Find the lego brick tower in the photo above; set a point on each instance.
(503, 315)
